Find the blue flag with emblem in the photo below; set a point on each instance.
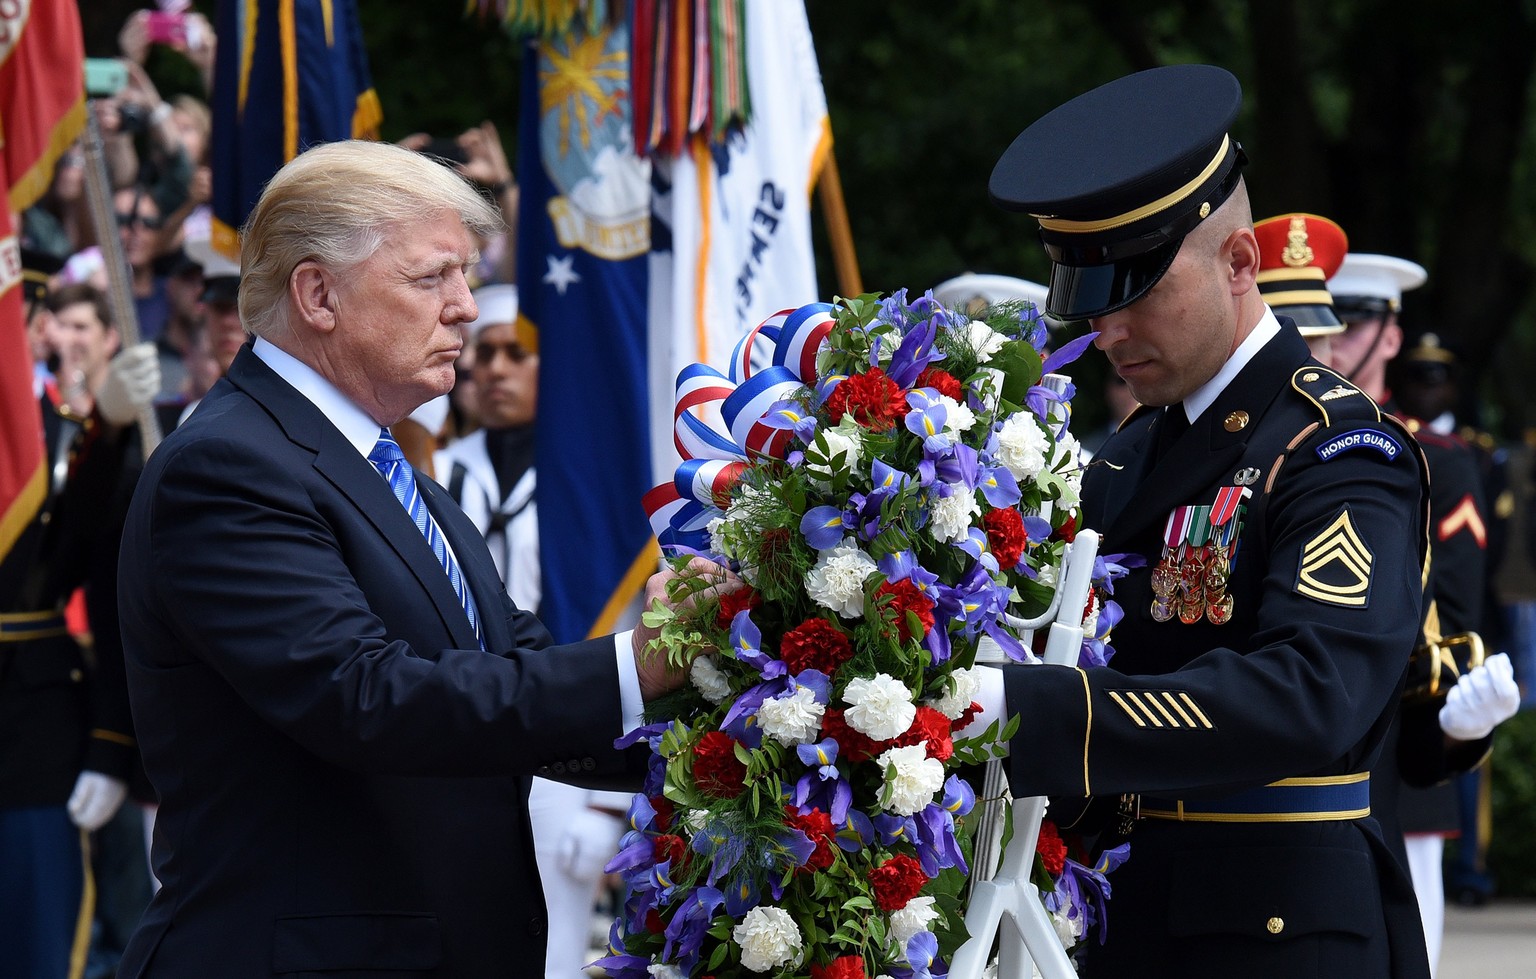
(583, 240)
(288, 74)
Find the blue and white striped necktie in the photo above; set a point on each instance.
(390, 462)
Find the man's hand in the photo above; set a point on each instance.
(1481, 700)
(656, 676)
(133, 380)
(95, 800)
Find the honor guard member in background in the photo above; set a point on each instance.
(1281, 517)
(1299, 252)
(1424, 386)
(66, 744)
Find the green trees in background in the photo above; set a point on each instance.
(1410, 127)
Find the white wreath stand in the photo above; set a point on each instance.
(1030, 944)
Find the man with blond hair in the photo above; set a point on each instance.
(336, 701)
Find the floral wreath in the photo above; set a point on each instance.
(896, 482)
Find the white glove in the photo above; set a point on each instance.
(1481, 700)
(133, 380)
(95, 800)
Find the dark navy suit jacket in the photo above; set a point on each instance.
(341, 769)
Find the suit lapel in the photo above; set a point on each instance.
(359, 482)
(1214, 442)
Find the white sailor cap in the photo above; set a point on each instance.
(967, 292)
(1369, 285)
(498, 305)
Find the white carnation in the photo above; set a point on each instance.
(964, 686)
(1022, 445)
(952, 515)
(768, 937)
(837, 581)
(916, 779)
(833, 442)
(716, 528)
(663, 971)
(957, 417)
(882, 706)
(910, 920)
(791, 720)
(983, 339)
(706, 676)
(1068, 930)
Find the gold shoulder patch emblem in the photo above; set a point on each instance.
(1336, 392)
(1335, 566)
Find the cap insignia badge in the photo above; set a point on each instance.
(1297, 254)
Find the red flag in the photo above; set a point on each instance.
(42, 111)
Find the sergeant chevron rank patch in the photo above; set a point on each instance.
(1169, 709)
(1335, 566)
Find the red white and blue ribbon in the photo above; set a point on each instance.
(718, 421)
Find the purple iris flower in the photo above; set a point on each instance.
(926, 421)
(975, 544)
(895, 829)
(791, 415)
(1085, 891)
(902, 565)
(856, 833)
(685, 932)
(635, 851)
(745, 640)
(1069, 352)
(937, 847)
(1008, 641)
(825, 385)
(1109, 568)
(740, 721)
(915, 353)
(982, 599)
(618, 964)
(937, 642)
(887, 479)
(723, 848)
(1036, 528)
(1032, 328)
(959, 467)
(923, 956)
(642, 815)
(998, 486)
(893, 309)
(823, 787)
(647, 732)
(741, 895)
(1039, 399)
(822, 526)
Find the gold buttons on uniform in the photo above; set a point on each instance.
(75, 676)
(1309, 377)
(1275, 925)
(1236, 422)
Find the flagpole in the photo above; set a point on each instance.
(98, 196)
(834, 210)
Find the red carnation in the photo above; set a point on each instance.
(854, 747)
(664, 812)
(1067, 531)
(716, 769)
(966, 717)
(1053, 852)
(1006, 536)
(933, 727)
(668, 847)
(654, 922)
(876, 401)
(815, 644)
(733, 602)
(907, 597)
(845, 967)
(897, 881)
(816, 825)
(941, 381)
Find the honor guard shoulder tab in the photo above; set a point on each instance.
(1334, 397)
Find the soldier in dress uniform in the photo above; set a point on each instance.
(66, 744)
(1281, 515)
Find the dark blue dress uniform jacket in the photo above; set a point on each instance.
(341, 769)
(1291, 686)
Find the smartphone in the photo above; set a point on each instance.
(104, 77)
(166, 28)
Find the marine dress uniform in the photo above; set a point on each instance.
(1265, 640)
